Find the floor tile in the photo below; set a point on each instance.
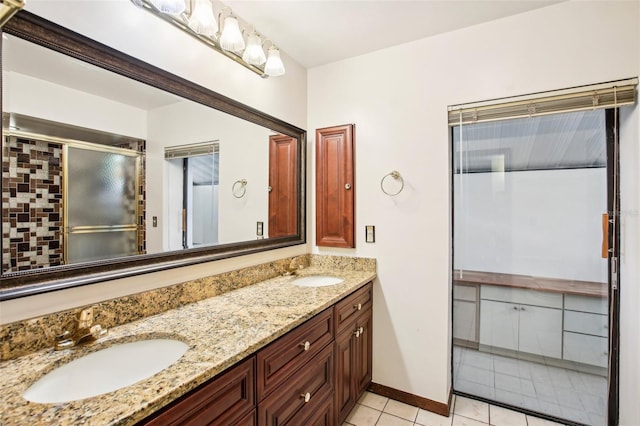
(472, 409)
(499, 416)
(402, 410)
(389, 420)
(536, 421)
(465, 421)
(476, 374)
(506, 366)
(510, 397)
(509, 383)
(362, 415)
(427, 418)
(373, 400)
(477, 389)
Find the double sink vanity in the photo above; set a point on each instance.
(291, 349)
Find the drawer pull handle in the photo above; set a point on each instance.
(515, 308)
(358, 306)
(358, 332)
(306, 397)
(305, 345)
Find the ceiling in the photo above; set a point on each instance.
(317, 32)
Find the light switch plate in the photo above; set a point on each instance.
(260, 229)
(370, 234)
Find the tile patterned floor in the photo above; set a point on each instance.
(558, 392)
(376, 410)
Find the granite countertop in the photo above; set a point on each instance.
(528, 282)
(220, 331)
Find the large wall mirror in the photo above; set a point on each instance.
(112, 167)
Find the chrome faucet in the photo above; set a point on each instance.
(85, 331)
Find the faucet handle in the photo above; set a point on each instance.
(64, 341)
(85, 317)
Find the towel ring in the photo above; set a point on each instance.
(243, 187)
(396, 175)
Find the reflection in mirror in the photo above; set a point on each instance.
(100, 167)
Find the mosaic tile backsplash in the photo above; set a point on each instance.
(31, 204)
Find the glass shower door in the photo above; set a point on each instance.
(530, 280)
(101, 204)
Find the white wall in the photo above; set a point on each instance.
(244, 154)
(545, 223)
(119, 24)
(398, 98)
(26, 95)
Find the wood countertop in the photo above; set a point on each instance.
(553, 285)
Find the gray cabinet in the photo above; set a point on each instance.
(521, 320)
(586, 330)
(465, 314)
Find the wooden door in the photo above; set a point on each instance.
(283, 157)
(335, 186)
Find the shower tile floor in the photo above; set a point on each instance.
(567, 394)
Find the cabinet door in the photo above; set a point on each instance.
(335, 187)
(540, 331)
(499, 324)
(362, 367)
(464, 321)
(283, 198)
(345, 398)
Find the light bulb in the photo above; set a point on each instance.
(254, 54)
(171, 7)
(202, 19)
(274, 66)
(231, 37)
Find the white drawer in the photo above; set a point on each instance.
(581, 322)
(465, 292)
(519, 295)
(595, 305)
(586, 349)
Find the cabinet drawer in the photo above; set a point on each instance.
(286, 355)
(581, 322)
(595, 305)
(586, 349)
(222, 401)
(522, 296)
(287, 403)
(347, 309)
(465, 292)
(248, 420)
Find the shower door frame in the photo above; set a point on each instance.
(613, 277)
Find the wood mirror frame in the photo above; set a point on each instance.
(38, 30)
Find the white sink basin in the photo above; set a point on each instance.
(106, 370)
(317, 281)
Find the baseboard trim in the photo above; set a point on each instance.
(411, 399)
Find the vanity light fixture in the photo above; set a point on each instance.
(202, 19)
(8, 8)
(222, 31)
(274, 65)
(231, 38)
(254, 53)
(173, 7)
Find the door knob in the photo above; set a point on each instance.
(269, 188)
(305, 345)
(347, 186)
(306, 397)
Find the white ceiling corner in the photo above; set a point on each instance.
(317, 32)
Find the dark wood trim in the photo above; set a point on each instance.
(33, 28)
(411, 399)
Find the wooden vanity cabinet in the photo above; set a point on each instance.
(226, 400)
(353, 350)
(306, 377)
